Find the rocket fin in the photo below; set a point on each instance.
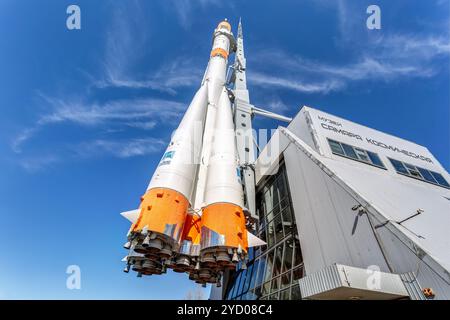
(254, 241)
(131, 215)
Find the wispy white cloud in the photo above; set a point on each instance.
(185, 9)
(129, 45)
(277, 105)
(121, 148)
(128, 37)
(292, 83)
(347, 17)
(145, 125)
(21, 138)
(375, 56)
(38, 162)
(367, 68)
(412, 47)
(387, 58)
(136, 113)
(171, 76)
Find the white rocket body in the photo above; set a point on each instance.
(223, 181)
(191, 217)
(178, 166)
(215, 76)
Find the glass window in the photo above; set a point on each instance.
(275, 284)
(251, 296)
(274, 212)
(287, 217)
(288, 253)
(284, 203)
(255, 274)
(413, 170)
(282, 187)
(241, 282)
(375, 159)
(270, 271)
(262, 223)
(278, 228)
(266, 288)
(399, 167)
(274, 296)
(285, 294)
(349, 152)
(336, 147)
(258, 292)
(262, 269)
(270, 234)
(297, 273)
(362, 155)
(268, 200)
(286, 279)
(295, 293)
(440, 179)
(263, 235)
(236, 285)
(260, 203)
(298, 254)
(277, 261)
(426, 175)
(355, 153)
(230, 291)
(419, 173)
(251, 253)
(258, 251)
(275, 196)
(269, 266)
(248, 278)
(288, 222)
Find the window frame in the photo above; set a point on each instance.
(360, 153)
(356, 150)
(418, 169)
(262, 272)
(437, 173)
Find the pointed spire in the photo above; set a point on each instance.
(240, 29)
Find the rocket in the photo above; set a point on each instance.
(192, 218)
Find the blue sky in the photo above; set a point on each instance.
(86, 114)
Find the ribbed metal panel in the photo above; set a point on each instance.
(340, 282)
(324, 280)
(412, 286)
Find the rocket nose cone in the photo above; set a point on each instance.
(224, 25)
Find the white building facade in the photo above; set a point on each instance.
(347, 212)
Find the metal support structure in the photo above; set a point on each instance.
(244, 112)
(243, 125)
